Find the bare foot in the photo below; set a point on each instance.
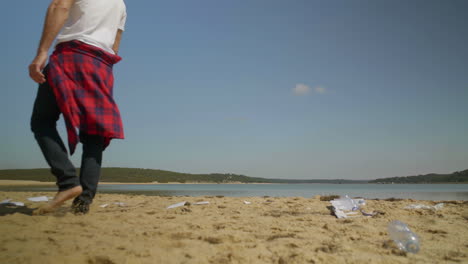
(58, 200)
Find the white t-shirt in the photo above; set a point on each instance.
(94, 22)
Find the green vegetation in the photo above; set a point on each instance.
(149, 175)
(334, 181)
(456, 177)
(133, 175)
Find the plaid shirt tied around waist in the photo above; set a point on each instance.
(81, 78)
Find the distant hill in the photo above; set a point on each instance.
(456, 177)
(131, 175)
(333, 181)
(149, 175)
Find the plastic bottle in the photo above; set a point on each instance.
(403, 237)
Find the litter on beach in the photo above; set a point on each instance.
(345, 207)
(6, 201)
(201, 203)
(176, 205)
(116, 203)
(373, 213)
(247, 202)
(10, 202)
(39, 199)
(423, 206)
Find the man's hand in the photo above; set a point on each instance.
(116, 45)
(36, 66)
(57, 14)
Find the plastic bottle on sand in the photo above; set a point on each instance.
(403, 237)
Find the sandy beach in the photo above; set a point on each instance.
(227, 230)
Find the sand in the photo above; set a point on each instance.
(269, 230)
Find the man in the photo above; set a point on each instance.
(77, 83)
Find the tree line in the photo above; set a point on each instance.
(456, 177)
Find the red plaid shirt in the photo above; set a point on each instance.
(81, 77)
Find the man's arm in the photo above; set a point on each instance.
(116, 45)
(57, 14)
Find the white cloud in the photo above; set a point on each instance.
(301, 89)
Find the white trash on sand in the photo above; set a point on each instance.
(120, 204)
(345, 207)
(10, 202)
(40, 199)
(186, 203)
(176, 205)
(373, 213)
(201, 203)
(423, 206)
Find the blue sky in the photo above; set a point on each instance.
(269, 88)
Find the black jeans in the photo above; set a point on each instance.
(43, 124)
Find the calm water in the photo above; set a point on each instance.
(414, 191)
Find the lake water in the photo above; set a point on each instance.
(382, 191)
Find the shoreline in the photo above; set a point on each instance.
(427, 193)
(32, 183)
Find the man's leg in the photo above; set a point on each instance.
(43, 124)
(90, 171)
